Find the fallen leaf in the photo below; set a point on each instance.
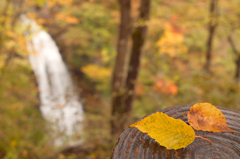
(206, 117)
(167, 131)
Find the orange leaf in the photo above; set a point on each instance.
(206, 117)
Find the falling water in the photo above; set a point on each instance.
(59, 102)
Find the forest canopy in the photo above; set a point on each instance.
(188, 53)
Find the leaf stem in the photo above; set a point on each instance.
(184, 113)
(203, 139)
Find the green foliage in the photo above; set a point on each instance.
(23, 132)
(92, 34)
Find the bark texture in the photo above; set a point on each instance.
(138, 38)
(212, 28)
(124, 79)
(119, 72)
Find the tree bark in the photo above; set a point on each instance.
(237, 73)
(122, 86)
(212, 27)
(138, 38)
(237, 57)
(119, 73)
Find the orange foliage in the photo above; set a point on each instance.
(67, 18)
(139, 90)
(10, 34)
(167, 87)
(32, 15)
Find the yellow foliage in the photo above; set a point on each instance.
(171, 42)
(167, 131)
(3, 57)
(104, 55)
(17, 106)
(10, 44)
(93, 156)
(61, 156)
(12, 39)
(96, 73)
(13, 143)
(10, 34)
(67, 18)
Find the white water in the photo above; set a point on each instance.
(59, 102)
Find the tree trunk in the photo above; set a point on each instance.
(123, 87)
(212, 28)
(119, 73)
(237, 57)
(138, 38)
(237, 73)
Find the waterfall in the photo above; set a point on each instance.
(59, 102)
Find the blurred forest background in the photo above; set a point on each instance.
(161, 53)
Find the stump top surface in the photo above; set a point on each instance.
(133, 144)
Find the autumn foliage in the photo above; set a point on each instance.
(171, 42)
(167, 87)
(175, 133)
(170, 73)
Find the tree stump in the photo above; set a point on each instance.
(133, 144)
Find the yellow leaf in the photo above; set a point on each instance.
(206, 117)
(167, 131)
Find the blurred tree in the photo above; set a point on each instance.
(213, 22)
(124, 84)
(138, 39)
(237, 56)
(119, 72)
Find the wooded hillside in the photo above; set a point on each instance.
(127, 58)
